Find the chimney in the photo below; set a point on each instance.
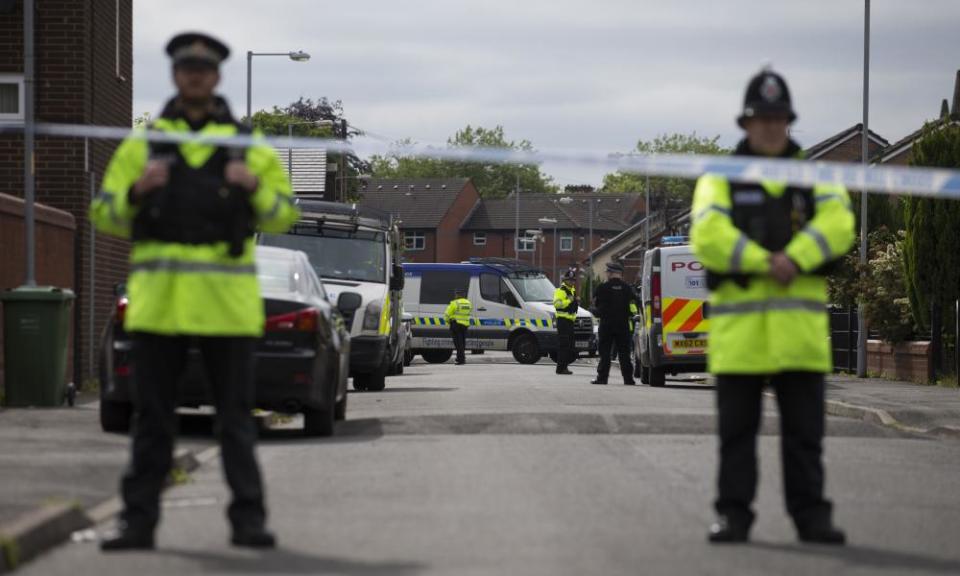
(944, 109)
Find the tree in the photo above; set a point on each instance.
(931, 256)
(673, 191)
(318, 119)
(491, 180)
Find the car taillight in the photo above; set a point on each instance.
(121, 312)
(655, 293)
(305, 320)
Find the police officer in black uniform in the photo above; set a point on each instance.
(612, 305)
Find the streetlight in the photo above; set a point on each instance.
(864, 152)
(553, 221)
(589, 201)
(536, 235)
(298, 56)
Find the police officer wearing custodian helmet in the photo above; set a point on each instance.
(766, 247)
(191, 209)
(615, 304)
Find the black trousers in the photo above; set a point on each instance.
(614, 335)
(566, 353)
(800, 399)
(159, 363)
(459, 333)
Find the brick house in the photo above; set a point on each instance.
(83, 76)
(491, 229)
(846, 146)
(431, 213)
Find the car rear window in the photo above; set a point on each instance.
(276, 275)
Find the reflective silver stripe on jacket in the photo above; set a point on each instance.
(168, 265)
(827, 197)
(736, 259)
(768, 306)
(713, 208)
(821, 241)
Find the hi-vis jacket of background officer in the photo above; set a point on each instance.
(565, 302)
(459, 311)
(194, 286)
(758, 326)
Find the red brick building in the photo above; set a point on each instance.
(84, 73)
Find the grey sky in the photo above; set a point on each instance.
(585, 75)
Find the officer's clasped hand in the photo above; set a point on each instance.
(155, 175)
(782, 268)
(237, 174)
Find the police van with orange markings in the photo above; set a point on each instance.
(673, 325)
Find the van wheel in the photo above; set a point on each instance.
(318, 422)
(436, 356)
(377, 381)
(340, 409)
(525, 349)
(658, 376)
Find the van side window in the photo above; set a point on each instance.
(437, 286)
(490, 288)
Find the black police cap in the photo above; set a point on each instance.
(767, 95)
(615, 267)
(197, 48)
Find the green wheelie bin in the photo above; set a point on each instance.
(36, 331)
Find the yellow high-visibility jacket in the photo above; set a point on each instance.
(763, 327)
(458, 311)
(193, 289)
(563, 297)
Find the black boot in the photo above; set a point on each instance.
(598, 381)
(822, 533)
(726, 530)
(253, 538)
(564, 371)
(127, 538)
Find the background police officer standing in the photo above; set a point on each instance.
(191, 210)
(615, 303)
(566, 304)
(457, 315)
(765, 246)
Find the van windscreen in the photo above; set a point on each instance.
(337, 254)
(533, 286)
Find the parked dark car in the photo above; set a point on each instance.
(302, 359)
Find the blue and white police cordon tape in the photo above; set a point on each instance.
(931, 182)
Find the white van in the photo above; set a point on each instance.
(356, 253)
(512, 309)
(673, 322)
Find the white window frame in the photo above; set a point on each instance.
(413, 238)
(566, 241)
(18, 80)
(526, 243)
(479, 238)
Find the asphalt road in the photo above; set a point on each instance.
(498, 468)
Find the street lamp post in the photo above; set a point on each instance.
(553, 221)
(298, 56)
(861, 331)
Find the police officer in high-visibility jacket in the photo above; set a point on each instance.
(457, 315)
(766, 247)
(615, 304)
(566, 304)
(191, 209)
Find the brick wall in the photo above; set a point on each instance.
(448, 232)
(77, 82)
(54, 253)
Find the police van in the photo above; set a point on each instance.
(672, 337)
(512, 309)
(356, 252)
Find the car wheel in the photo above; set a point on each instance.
(436, 356)
(658, 376)
(115, 416)
(318, 422)
(526, 350)
(360, 382)
(377, 381)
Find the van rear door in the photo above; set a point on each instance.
(684, 295)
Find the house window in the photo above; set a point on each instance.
(526, 243)
(566, 241)
(479, 238)
(414, 241)
(11, 98)
(583, 243)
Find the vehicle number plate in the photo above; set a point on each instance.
(583, 344)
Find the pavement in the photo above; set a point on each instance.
(492, 471)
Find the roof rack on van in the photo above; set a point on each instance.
(508, 265)
(337, 214)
